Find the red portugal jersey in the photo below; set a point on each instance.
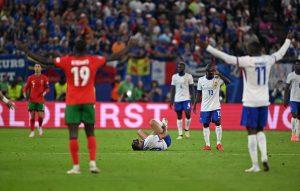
(36, 85)
(80, 72)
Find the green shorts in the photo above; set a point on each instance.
(76, 114)
(35, 106)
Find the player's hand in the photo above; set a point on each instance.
(290, 35)
(202, 44)
(44, 93)
(10, 105)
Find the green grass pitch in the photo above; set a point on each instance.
(41, 163)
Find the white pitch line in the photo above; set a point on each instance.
(163, 153)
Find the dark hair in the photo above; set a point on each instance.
(209, 67)
(254, 48)
(80, 45)
(135, 145)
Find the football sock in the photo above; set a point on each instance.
(73, 146)
(294, 126)
(206, 134)
(262, 145)
(219, 134)
(40, 121)
(252, 147)
(92, 147)
(179, 126)
(32, 121)
(187, 124)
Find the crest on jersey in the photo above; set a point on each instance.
(215, 84)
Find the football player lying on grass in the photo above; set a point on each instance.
(159, 140)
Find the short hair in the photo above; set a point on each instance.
(209, 67)
(254, 47)
(135, 145)
(80, 45)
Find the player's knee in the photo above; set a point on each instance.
(73, 135)
(152, 122)
(179, 115)
(251, 131)
(188, 114)
(260, 128)
(218, 123)
(89, 129)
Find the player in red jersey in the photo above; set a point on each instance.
(37, 86)
(80, 70)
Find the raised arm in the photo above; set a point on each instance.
(45, 62)
(281, 52)
(229, 59)
(224, 78)
(119, 55)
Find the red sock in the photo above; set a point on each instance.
(73, 146)
(32, 121)
(40, 121)
(92, 147)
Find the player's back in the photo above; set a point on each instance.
(256, 74)
(153, 142)
(80, 73)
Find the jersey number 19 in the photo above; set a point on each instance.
(81, 75)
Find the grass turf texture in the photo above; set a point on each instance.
(41, 163)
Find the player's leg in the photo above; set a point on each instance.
(73, 119)
(88, 118)
(74, 148)
(252, 148)
(41, 116)
(249, 120)
(31, 109)
(261, 137)
(188, 119)
(156, 126)
(142, 134)
(294, 120)
(295, 110)
(205, 120)
(32, 122)
(178, 109)
(216, 118)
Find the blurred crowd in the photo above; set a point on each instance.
(165, 29)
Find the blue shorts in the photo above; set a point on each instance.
(254, 116)
(210, 116)
(295, 107)
(183, 105)
(168, 140)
